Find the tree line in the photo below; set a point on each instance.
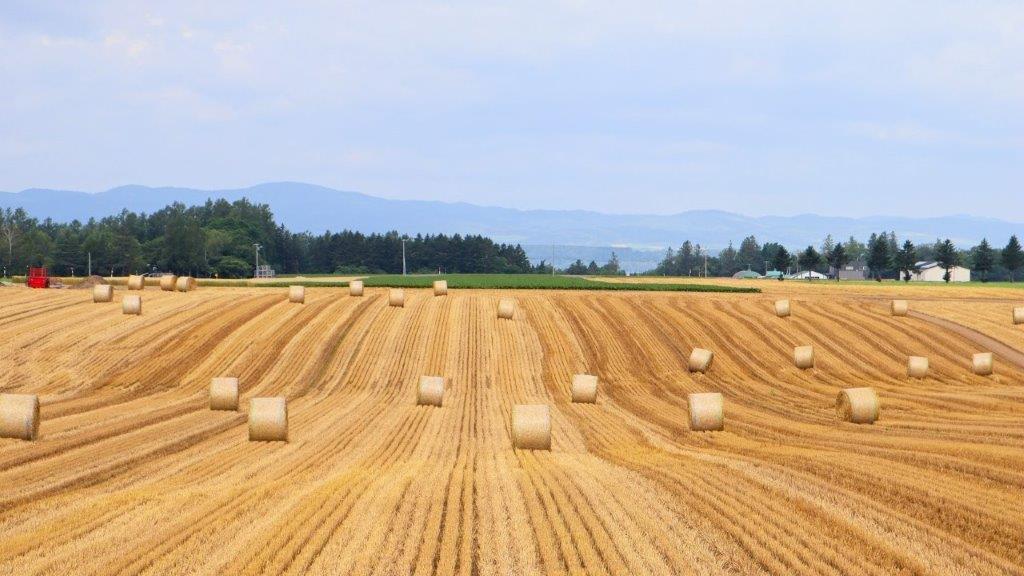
(882, 255)
(219, 239)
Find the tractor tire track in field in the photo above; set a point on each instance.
(984, 341)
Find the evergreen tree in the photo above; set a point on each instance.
(838, 258)
(809, 259)
(727, 262)
(68, 253)
(577, 268)
(893, 248)
(879, 258)
(1012, 257)
(855, 250)
(946, 256)
(781, 260)
(827, 246)
(984, 259)
(906, 260)
(749, 255)
(612, 268)
(768, 251)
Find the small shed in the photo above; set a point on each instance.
(857, 270)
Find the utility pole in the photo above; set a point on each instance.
(403, 255)
(90, 264)
(552, 259)
(256, 271)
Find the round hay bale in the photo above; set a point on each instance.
(857, 405)
(440, 287)
(224, 393)
(168, 282)
(430, 391)
(355, 288)
(506, 308)
(103, 293)
(900, 307)
(782, 309)
(297, 294)
(707, 411)
(803, 357)
(584, 388)
(917, 367)
(136, 282)
(982, 363)
(531, 426)
(1018, 315)
(131, 304)
(700, 360)
(396, 297)
(185, 284)
(268, 419)
(19, 416)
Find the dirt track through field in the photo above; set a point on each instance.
(133, 474)
(985, 342)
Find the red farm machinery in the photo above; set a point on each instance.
(38, 278)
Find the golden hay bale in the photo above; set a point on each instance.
(1018, 315)
(584, 388)
(857, 405)
(297, 294)
(430, 391)
(268, 419)
(396, 297)
(102, 293)
(982, 363)
(700, 360)
(900, 307)
(506, 308)
(355, 288)
(803, 357)
(224, 393)
(19, 416)
(782, 308)
(185, 284)
(531, 426)
(131, 304)
(168, 282)
(440, 287)
(917, 367)
(136, 282)
(707, 411)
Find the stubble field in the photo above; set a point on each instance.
(132, 473)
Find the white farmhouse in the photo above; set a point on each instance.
(932, 272)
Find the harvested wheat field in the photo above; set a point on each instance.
(133, 473)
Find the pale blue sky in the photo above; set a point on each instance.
(850, 108)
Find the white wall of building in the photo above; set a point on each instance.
(935, 274)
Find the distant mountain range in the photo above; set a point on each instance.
(638, 239)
